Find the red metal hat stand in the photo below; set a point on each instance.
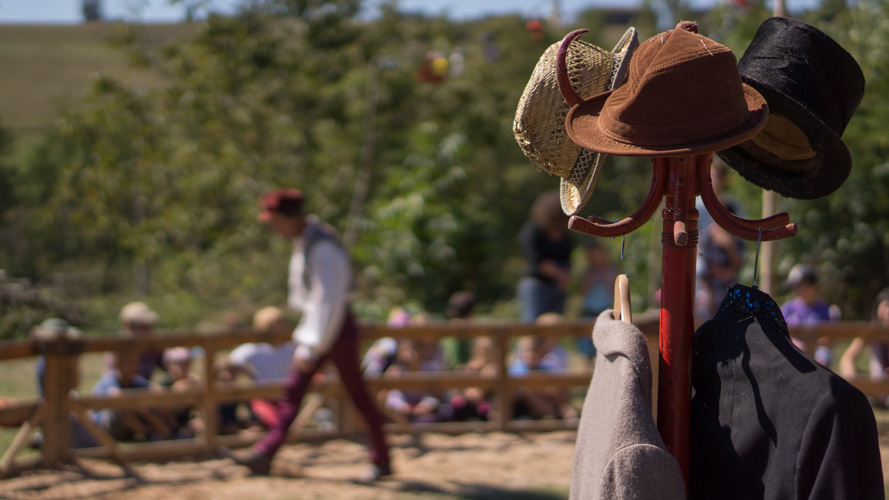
(680, 179)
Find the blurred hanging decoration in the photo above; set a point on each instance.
(434, 69)
(535, 27)
(490, 49)
(457, 63)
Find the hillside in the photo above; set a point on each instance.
(43, 65)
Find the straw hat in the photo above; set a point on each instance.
(268, 318)
(539, 125)
(177, 355)
(138, 313)
(684, 96)
(55, 328)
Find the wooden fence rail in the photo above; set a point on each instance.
(51, 414)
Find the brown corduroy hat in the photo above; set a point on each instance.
(684, 96)
(539, 125)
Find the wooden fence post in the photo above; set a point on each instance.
(505, 404)
(210, 403)
(59, 379)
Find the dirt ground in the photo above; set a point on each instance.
(471, 466)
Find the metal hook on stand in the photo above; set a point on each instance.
(623, 242)
(599, 226)
(776, 227)
(756, 259)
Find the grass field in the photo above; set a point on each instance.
(46, 66)
(18, 380)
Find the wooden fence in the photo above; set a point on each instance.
(51, 413)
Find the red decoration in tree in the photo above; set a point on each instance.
(536, 29)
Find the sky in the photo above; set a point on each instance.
(160, 11)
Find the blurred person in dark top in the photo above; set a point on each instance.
(546, 246)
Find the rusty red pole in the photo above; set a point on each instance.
(680, 240)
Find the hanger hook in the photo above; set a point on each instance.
(756, 258)
(623, 242)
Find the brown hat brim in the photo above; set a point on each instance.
(582, 127)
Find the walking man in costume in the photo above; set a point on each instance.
(320, 279)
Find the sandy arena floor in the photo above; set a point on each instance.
(471, 466)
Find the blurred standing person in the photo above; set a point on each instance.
(320, 279)
(547, 247)
(723, 256)
(720, 255)
(596, 289)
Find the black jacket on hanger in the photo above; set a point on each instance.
(769, 422)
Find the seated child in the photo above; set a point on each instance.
(53, 328)
(177, 377)
(474, 403)
(416, 405)
(127, 425)
(551, 402)
(263, 362)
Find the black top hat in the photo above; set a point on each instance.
(812, 86)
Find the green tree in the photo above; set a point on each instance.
(153, 191)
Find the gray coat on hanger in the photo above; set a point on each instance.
(619, 453)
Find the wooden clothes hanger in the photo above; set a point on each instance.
(622, 308)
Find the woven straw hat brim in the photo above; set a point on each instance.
(583, 128)
(539, 125)
(576, 189)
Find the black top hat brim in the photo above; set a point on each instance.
(825, 173)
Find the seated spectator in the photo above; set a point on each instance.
(416, 405)
(49, 329)
(551, 402)
(178, 377)
(555, 356)
(806, 308)
(381, 354)
(878, 366)
(138, 320)
(474, 403)
(263, 362)
(457, 351)
(134, 424)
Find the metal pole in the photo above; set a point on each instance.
(767, 284)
